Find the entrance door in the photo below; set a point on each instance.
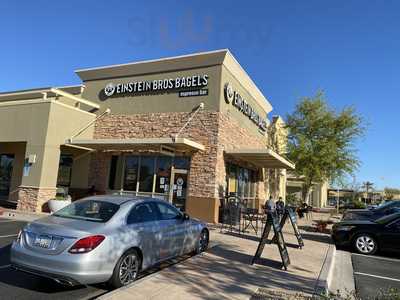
(6, 167)
(178, 188)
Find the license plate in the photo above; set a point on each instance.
(43, 241)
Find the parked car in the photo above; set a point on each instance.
(387, 208)
(369, 236)
(106, 239)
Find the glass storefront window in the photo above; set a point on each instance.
(163, 174)
(146, 174)
(232, 181)
(241, 181)
(65, 170)
(131, 173)
(182, 162)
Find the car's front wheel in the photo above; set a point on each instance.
(126, 270)
(365, 244)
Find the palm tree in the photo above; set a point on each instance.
(367, 186)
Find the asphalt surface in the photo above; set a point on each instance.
(18, 285)
(375, 275)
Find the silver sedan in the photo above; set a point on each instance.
(106, 239)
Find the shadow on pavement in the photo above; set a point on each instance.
(322, 238)
(231, 274)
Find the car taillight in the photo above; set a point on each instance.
(86, 244)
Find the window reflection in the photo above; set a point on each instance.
(241, 181)
(140, 170)
(146, 174)
(131, 173)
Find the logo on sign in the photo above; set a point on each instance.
(179, 181)
(109, 89)
(229, 93)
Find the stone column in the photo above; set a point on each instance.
(39, 183)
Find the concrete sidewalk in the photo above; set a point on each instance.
(18, 215)
(224, 271)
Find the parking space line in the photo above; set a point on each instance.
(377, 257)
(376, 276)
(6, 221)
(6, 236)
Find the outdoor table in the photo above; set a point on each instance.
(250, 219)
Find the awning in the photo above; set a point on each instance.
(263, 158)
(178, 144)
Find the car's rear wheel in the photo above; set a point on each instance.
(203, 241)
(126, 270)
(365, 244)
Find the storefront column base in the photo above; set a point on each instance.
(34, 199)
(205, 209)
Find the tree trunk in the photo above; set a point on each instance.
(306, 190)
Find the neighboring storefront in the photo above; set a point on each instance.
(188, 129)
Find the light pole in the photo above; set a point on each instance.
(338, 200)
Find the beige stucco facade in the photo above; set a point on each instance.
(148, 104)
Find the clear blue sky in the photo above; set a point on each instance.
(349, 49)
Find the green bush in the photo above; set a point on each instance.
(359, 205)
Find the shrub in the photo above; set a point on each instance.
(359, 205)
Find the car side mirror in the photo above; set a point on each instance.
(185, 217)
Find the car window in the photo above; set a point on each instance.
(89, 210)
(168, 212)
(141, 213)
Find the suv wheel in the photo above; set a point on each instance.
(365, 244)
(126, 270)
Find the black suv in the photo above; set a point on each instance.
(373, 213)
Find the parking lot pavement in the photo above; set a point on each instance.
(375, 274)
(18, 285)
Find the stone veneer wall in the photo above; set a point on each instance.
(34, 199)
(215, 130)
(233, 136)
(202, 129)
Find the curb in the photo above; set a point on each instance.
(324, 280)
(21, 215)
(343, 281)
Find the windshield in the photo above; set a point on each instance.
(384, 204)
(89, 210)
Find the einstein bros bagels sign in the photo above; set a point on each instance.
(187, 85)
(234, 98)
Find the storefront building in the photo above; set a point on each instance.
(188, 129)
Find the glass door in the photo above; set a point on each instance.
(178, 188)
(6, 167)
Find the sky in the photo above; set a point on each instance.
(291, 49)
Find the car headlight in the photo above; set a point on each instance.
(344, 228)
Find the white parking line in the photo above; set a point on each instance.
(376, 276)
(6, 221)
(377, 257)
(6, 236)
